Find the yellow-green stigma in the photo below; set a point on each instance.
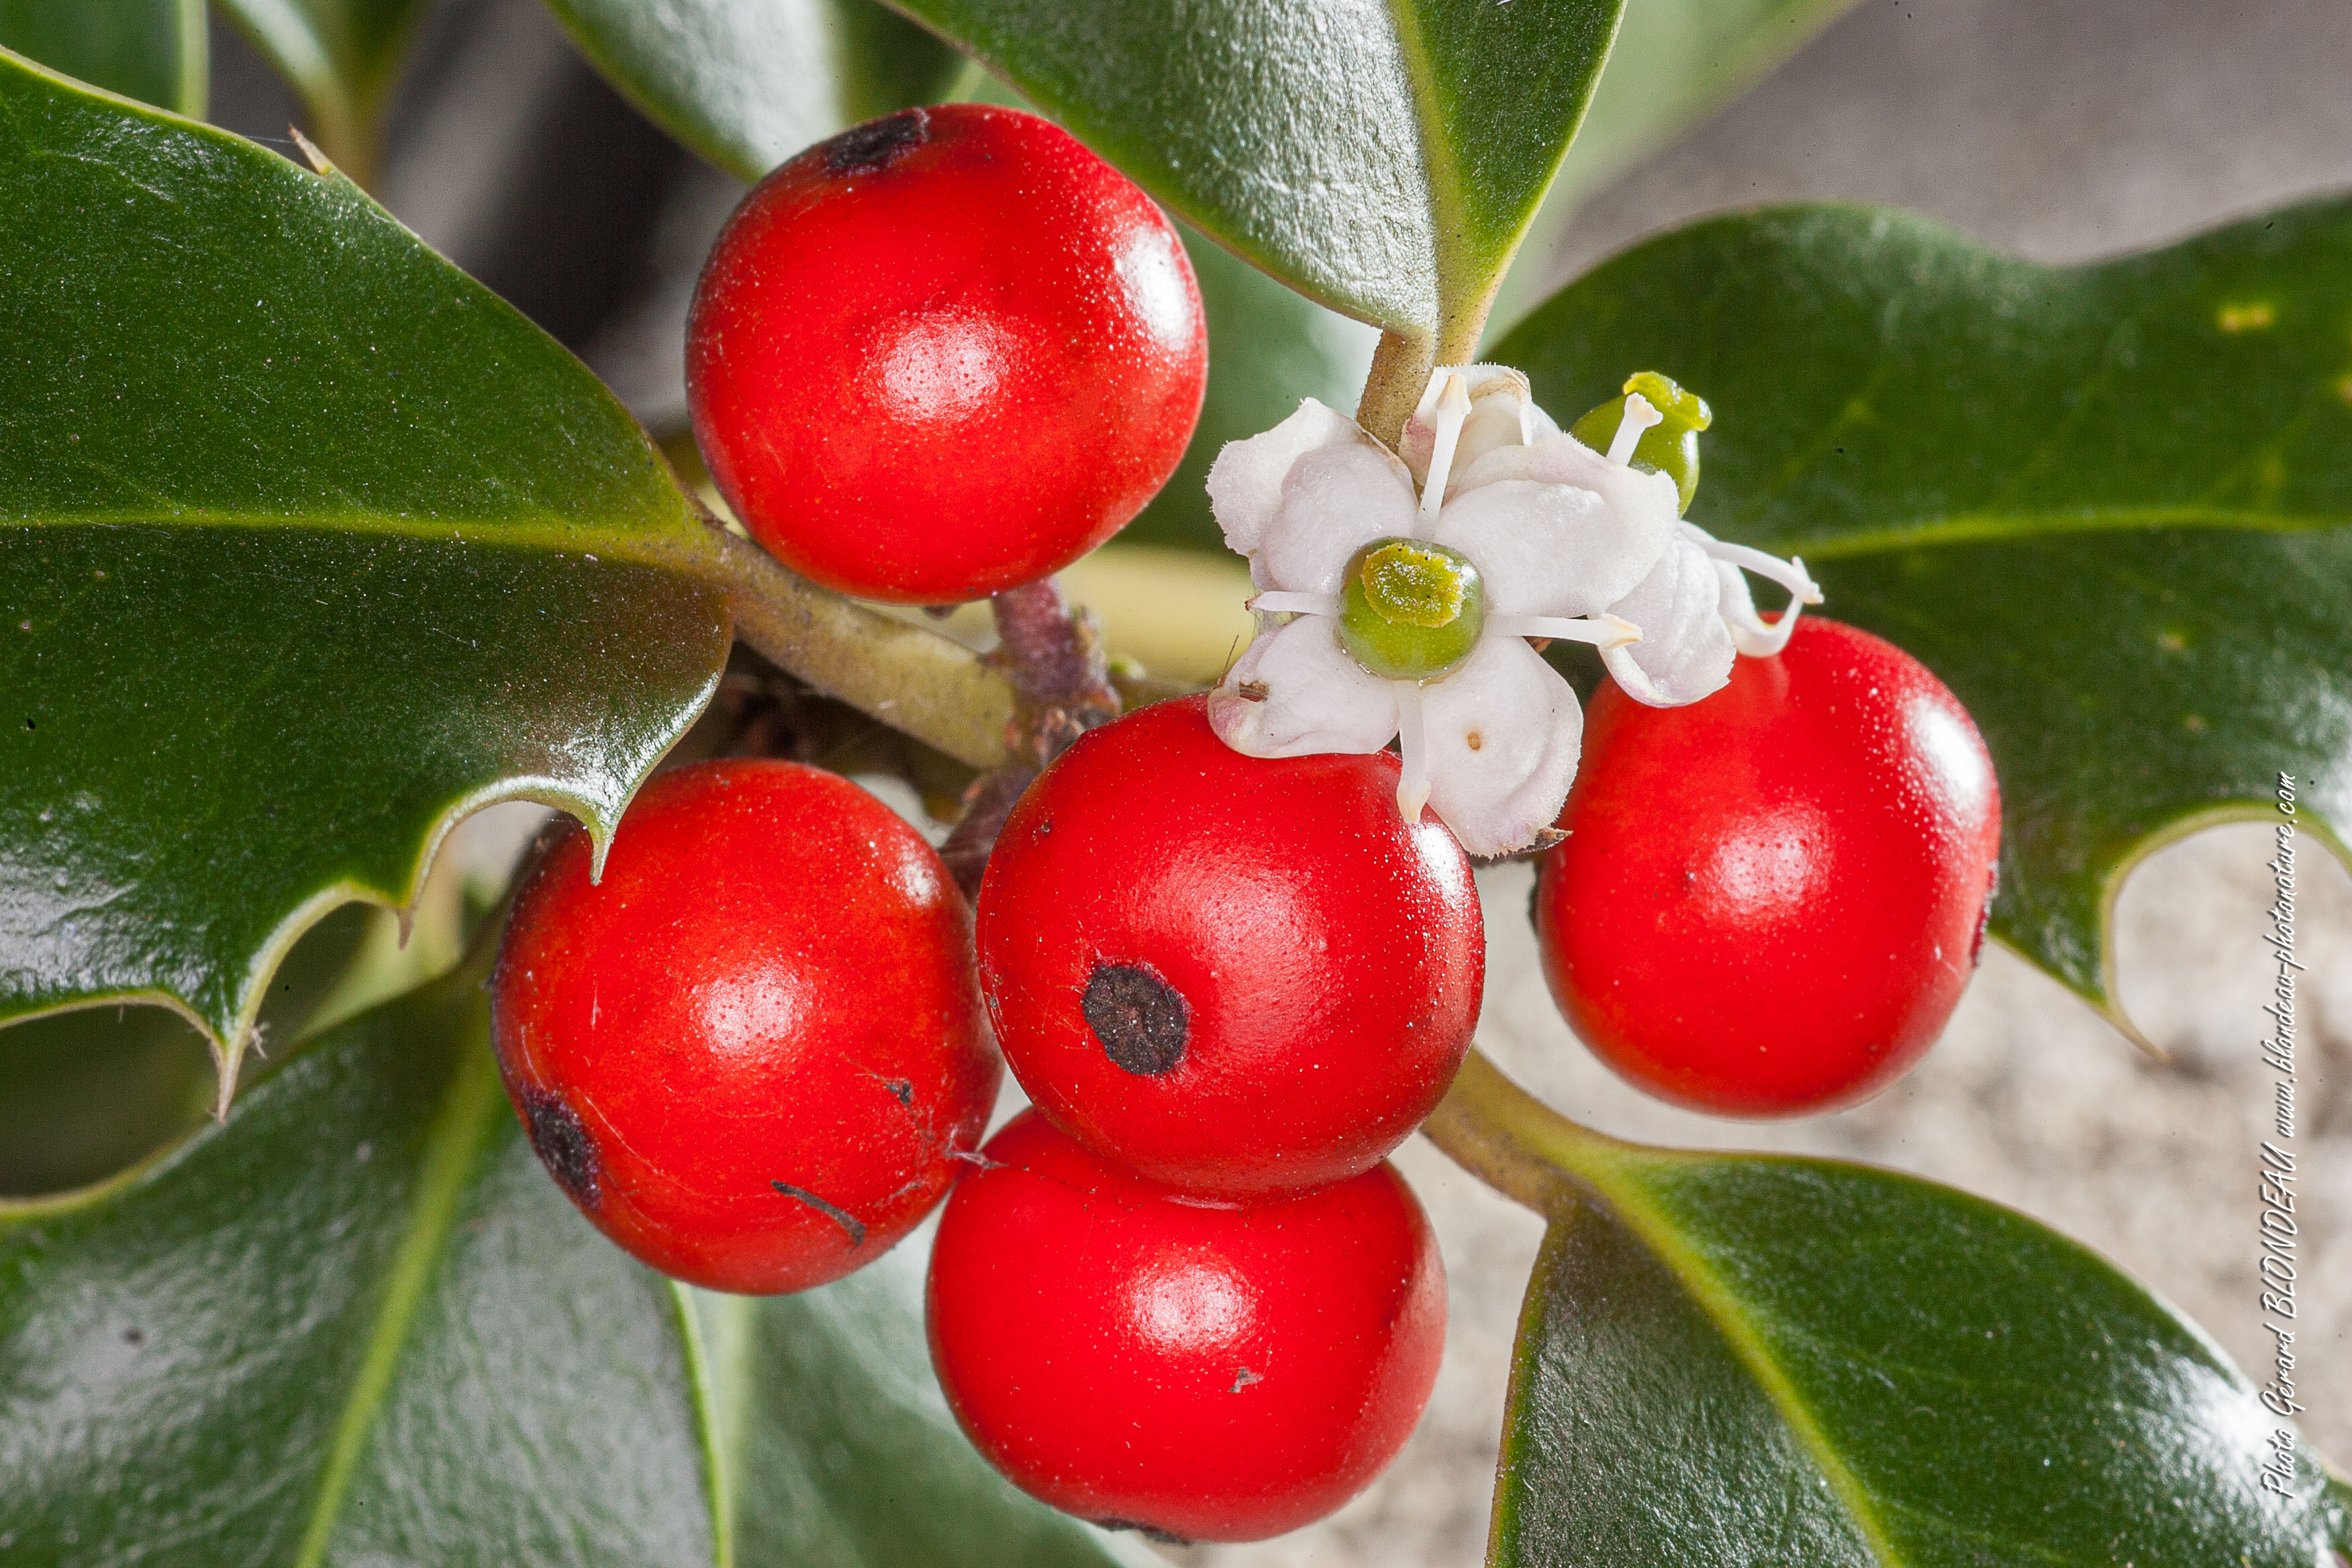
(1670, 446)
(1411, 610)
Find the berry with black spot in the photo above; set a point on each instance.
(944, 353)
(1235, 975)
(1769, 901)
(751, 1051)
(1202, 1371)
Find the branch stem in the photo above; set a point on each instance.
(1400, 367)
(913, 679)
(1062, 681)
(1515, 1143)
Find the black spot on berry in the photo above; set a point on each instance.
(1149, 1532)
(134, 1337)
(873, 146)
(1140, 1020)
(561, 1143)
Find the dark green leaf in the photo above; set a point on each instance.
(2082, 495)
(1268, 347)
(1383, 158)
(1748, 1360)
(84, 1094)
(748, 83)
(358, 1324)
(1675, 62)
(343, 57)
(309, 547)
(148, 49)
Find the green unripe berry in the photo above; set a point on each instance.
(1670, 447)
(1411, 610)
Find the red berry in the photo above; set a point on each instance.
(1233, 976)
(943, 354)
(1770, 901)
(749, 1051)
(1212, 1371)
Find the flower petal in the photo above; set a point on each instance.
(1549, 546)
(1316, 698)
(1245, 481)
(1335, 499)
(1503, 734)
(1686, 651)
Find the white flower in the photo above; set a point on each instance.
(1535, 532)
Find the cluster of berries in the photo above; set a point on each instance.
(1185, 1292)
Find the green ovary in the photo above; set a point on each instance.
(1670, 447)
(1411, 610)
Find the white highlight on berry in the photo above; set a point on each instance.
(1639, 419)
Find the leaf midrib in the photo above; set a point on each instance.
(452, 1145)
(1993, 527)
(1651, 1227)
(681, 546)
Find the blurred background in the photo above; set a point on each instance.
(2059, 129)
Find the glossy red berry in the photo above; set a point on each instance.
(1209, 1372)
(749, 1051)
(943, 354)
(1233, 976)
(1770, 901)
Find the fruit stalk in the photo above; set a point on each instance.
(1513, 1141)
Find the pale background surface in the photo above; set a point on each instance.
(2062, 129)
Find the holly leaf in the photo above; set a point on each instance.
(309, 547)
(1675, 63)
(748, 83)
(343, 57)
(1734, 1359)
(1746, 1359)
(154, 51)
(1383, 158)
(359, 1323)
(2103, 502)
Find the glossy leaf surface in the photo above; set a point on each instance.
(154, 51)
(748, 83)
(307, 546)
(1746, 1360)
(1382, 156)
(2102, 502)
(359, 1324)
(342, 56)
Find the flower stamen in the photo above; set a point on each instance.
(1412, 740)
(1273, 602)
(1603, 631)
(1639, 418)
(1749, 633)
(1453, 411)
